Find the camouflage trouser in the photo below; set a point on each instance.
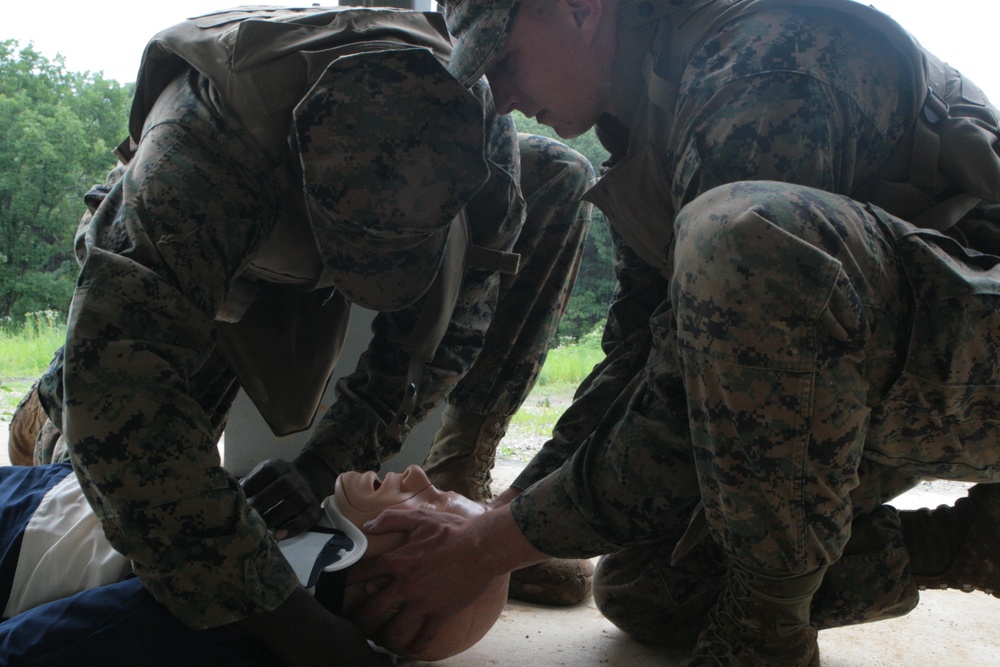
(816, 359)
(532, 301)
(657, 602)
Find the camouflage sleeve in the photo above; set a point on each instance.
(160, 256)
(531, 302)
(351, 435)
(625, 344)
(797, 97)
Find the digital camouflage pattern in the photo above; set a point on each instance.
(778, 323)
(508, 319)
(382, 245)
(173, 243)
(553, 180)
(480, 28)
(146, 390)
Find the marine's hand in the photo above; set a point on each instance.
(288, 495)
(505, 498)
(301, 633)
(445, 564)
(421, 583)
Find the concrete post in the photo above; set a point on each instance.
(248, 439)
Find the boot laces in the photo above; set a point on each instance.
(728, 620)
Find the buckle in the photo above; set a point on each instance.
(935, 109)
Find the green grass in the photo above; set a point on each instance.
(568, 364)
(25, 352)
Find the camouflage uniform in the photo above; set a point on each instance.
(553, 180)
(782, 357)
(183, 298)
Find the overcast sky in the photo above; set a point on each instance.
(109, 35)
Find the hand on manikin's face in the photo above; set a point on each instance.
(361, 497)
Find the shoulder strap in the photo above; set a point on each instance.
(439, 305)
(932, 132)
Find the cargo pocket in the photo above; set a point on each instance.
(941, 417)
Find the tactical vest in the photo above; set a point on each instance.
(261, 60)
(948, 163)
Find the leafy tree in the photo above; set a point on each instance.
(588, 306)
(57, 129)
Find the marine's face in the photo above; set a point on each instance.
(368, 495)
(552, 68)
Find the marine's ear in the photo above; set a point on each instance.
(586, 14)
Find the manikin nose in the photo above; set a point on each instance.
(414, 477)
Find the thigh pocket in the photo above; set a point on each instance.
(942, 415)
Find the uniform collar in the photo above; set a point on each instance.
(648, 26)
(634, 13)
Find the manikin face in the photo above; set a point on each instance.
(553, 67)
(365, 495)
(361, 497)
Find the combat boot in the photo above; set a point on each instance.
(463, 452)
(957, 546)
(556, 581)
(28, 420)
(461, 459)
(760, 622)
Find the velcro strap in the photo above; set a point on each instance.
(926, 149)
(240, 296)
(495, 260)
(926, 140)
(942, 216)
(125, 151)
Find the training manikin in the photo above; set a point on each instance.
(360, 497)
(62, 549)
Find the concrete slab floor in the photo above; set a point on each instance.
(947, 629)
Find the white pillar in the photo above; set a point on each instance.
(248, 439)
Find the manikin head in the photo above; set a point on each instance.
(361, 497)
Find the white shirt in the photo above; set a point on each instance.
(63, 552)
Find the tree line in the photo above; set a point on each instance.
(57, 131)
